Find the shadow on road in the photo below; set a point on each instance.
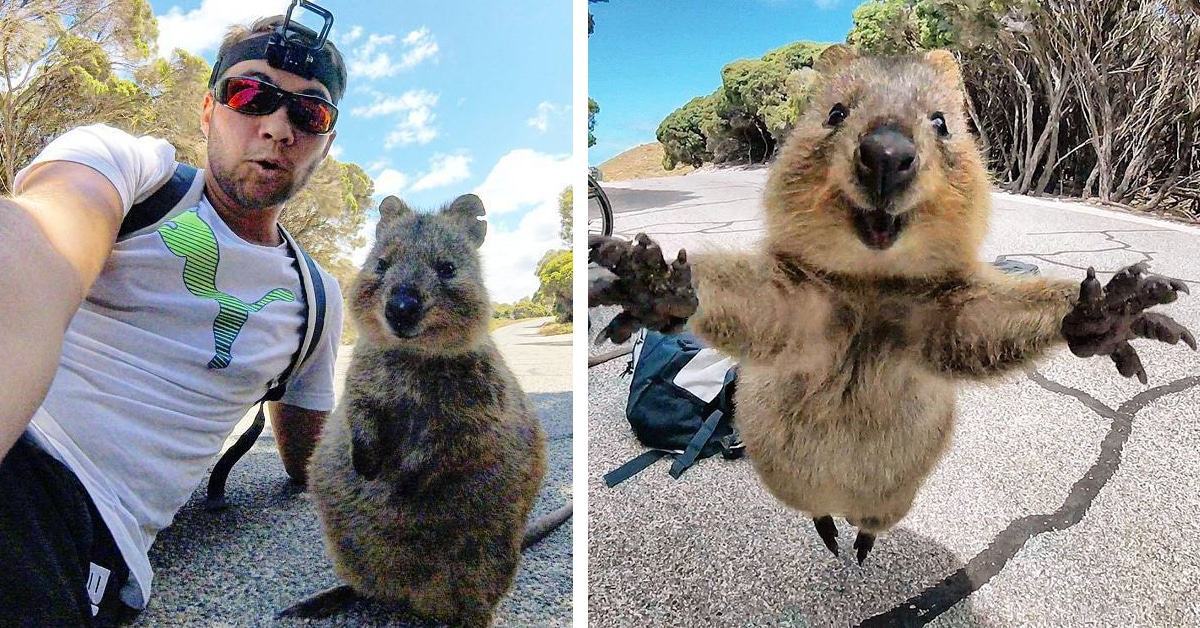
(877, 593)
(633, 199)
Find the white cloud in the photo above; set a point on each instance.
(202, 29)
(374, 58)
(419, 45)
(413, 128)
(510, 257)
(390, 181)
(336, 151)
(351, 35)
(444, 170)
(414, 111)
(525, 177)
(528, 182)
(366, 62)
(545, 109)
(384, 105)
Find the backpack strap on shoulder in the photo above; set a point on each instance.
(313, 287)
(181, 192)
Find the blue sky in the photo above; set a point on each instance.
(444, 97)
(647, 58)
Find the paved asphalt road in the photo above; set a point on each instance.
(1070, 496)
(239, 567)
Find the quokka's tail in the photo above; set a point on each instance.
(541, 527)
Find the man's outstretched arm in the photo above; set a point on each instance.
(56, 233)
(296, 433)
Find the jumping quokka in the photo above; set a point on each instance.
(425, 474)
(868, 302)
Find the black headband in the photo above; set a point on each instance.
(324, 67)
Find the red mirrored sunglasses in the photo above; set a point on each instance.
(311, 114)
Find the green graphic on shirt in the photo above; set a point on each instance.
(189, 237)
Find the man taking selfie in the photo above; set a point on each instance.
(134, 341)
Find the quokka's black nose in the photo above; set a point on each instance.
(403, 310)
(887, 162)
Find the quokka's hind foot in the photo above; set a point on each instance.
(828, 532)
(862, 545)
(321, 604)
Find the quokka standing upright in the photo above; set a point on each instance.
(426, 473)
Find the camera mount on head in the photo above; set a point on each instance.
(287, 51)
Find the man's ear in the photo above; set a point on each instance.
(467, 209)
(391, 210)
(206, 112)
(328, 145)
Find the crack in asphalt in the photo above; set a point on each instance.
(1147, 256)
(929, 604)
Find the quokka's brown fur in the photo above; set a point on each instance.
(850, 355)
(427, 471)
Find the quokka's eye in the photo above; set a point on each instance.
(837, 115)
(445, 270)
(939, 124)
(381, 266)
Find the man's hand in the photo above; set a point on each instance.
(1107, 317)
(296, 433)
(651, 293)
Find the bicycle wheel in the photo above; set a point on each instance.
(600, 214)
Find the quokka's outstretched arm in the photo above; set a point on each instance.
(740, 302)
(1003, 323)
(997, 324)
(747, 307)
(651, 293)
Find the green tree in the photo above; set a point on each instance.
(566, 206)
(746, 118)
(530, 308)
(327, 215)
(58, 69)
(555, 272)
(593, 109)
(172, 94)
(683, 132)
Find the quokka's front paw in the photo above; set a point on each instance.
(1107, 317)
(651, 293)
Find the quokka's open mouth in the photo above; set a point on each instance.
(877, 228)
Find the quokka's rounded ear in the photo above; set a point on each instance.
(391, 209)
(467, 209)
(834, 57)
(946, 65)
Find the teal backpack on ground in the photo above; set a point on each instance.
(680, 403)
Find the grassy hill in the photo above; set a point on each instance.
(639, 162)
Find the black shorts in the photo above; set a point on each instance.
(59, 562)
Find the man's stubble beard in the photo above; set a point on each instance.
(235, 187)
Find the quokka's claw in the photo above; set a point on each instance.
(863, 544)
(1128, 363)
(827, 530)
(1090, 290)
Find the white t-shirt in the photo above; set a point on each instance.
(179, 336)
